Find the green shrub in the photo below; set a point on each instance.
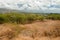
(2, 20)
(31, 17)
(41, 18)
(21, 19)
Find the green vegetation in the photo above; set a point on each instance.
(53, 16)
(24, 18)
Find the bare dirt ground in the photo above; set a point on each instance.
(34, 31)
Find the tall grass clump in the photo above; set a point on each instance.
(2, 19)
(40, 17)
(21, 18)
(10, 31)
(31, 17)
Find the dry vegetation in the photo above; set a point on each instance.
(19, 27)
(48, 30)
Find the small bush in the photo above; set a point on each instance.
(2, 19)
(30, 19)
(41, 18)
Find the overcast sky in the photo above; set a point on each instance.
(53, 5)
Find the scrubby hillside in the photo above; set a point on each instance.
(21, 26)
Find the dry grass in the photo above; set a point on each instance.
(48, 30)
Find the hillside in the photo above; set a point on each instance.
(29, 26)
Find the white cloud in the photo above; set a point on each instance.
(31, 4)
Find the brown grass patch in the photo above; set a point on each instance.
(48, 30)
